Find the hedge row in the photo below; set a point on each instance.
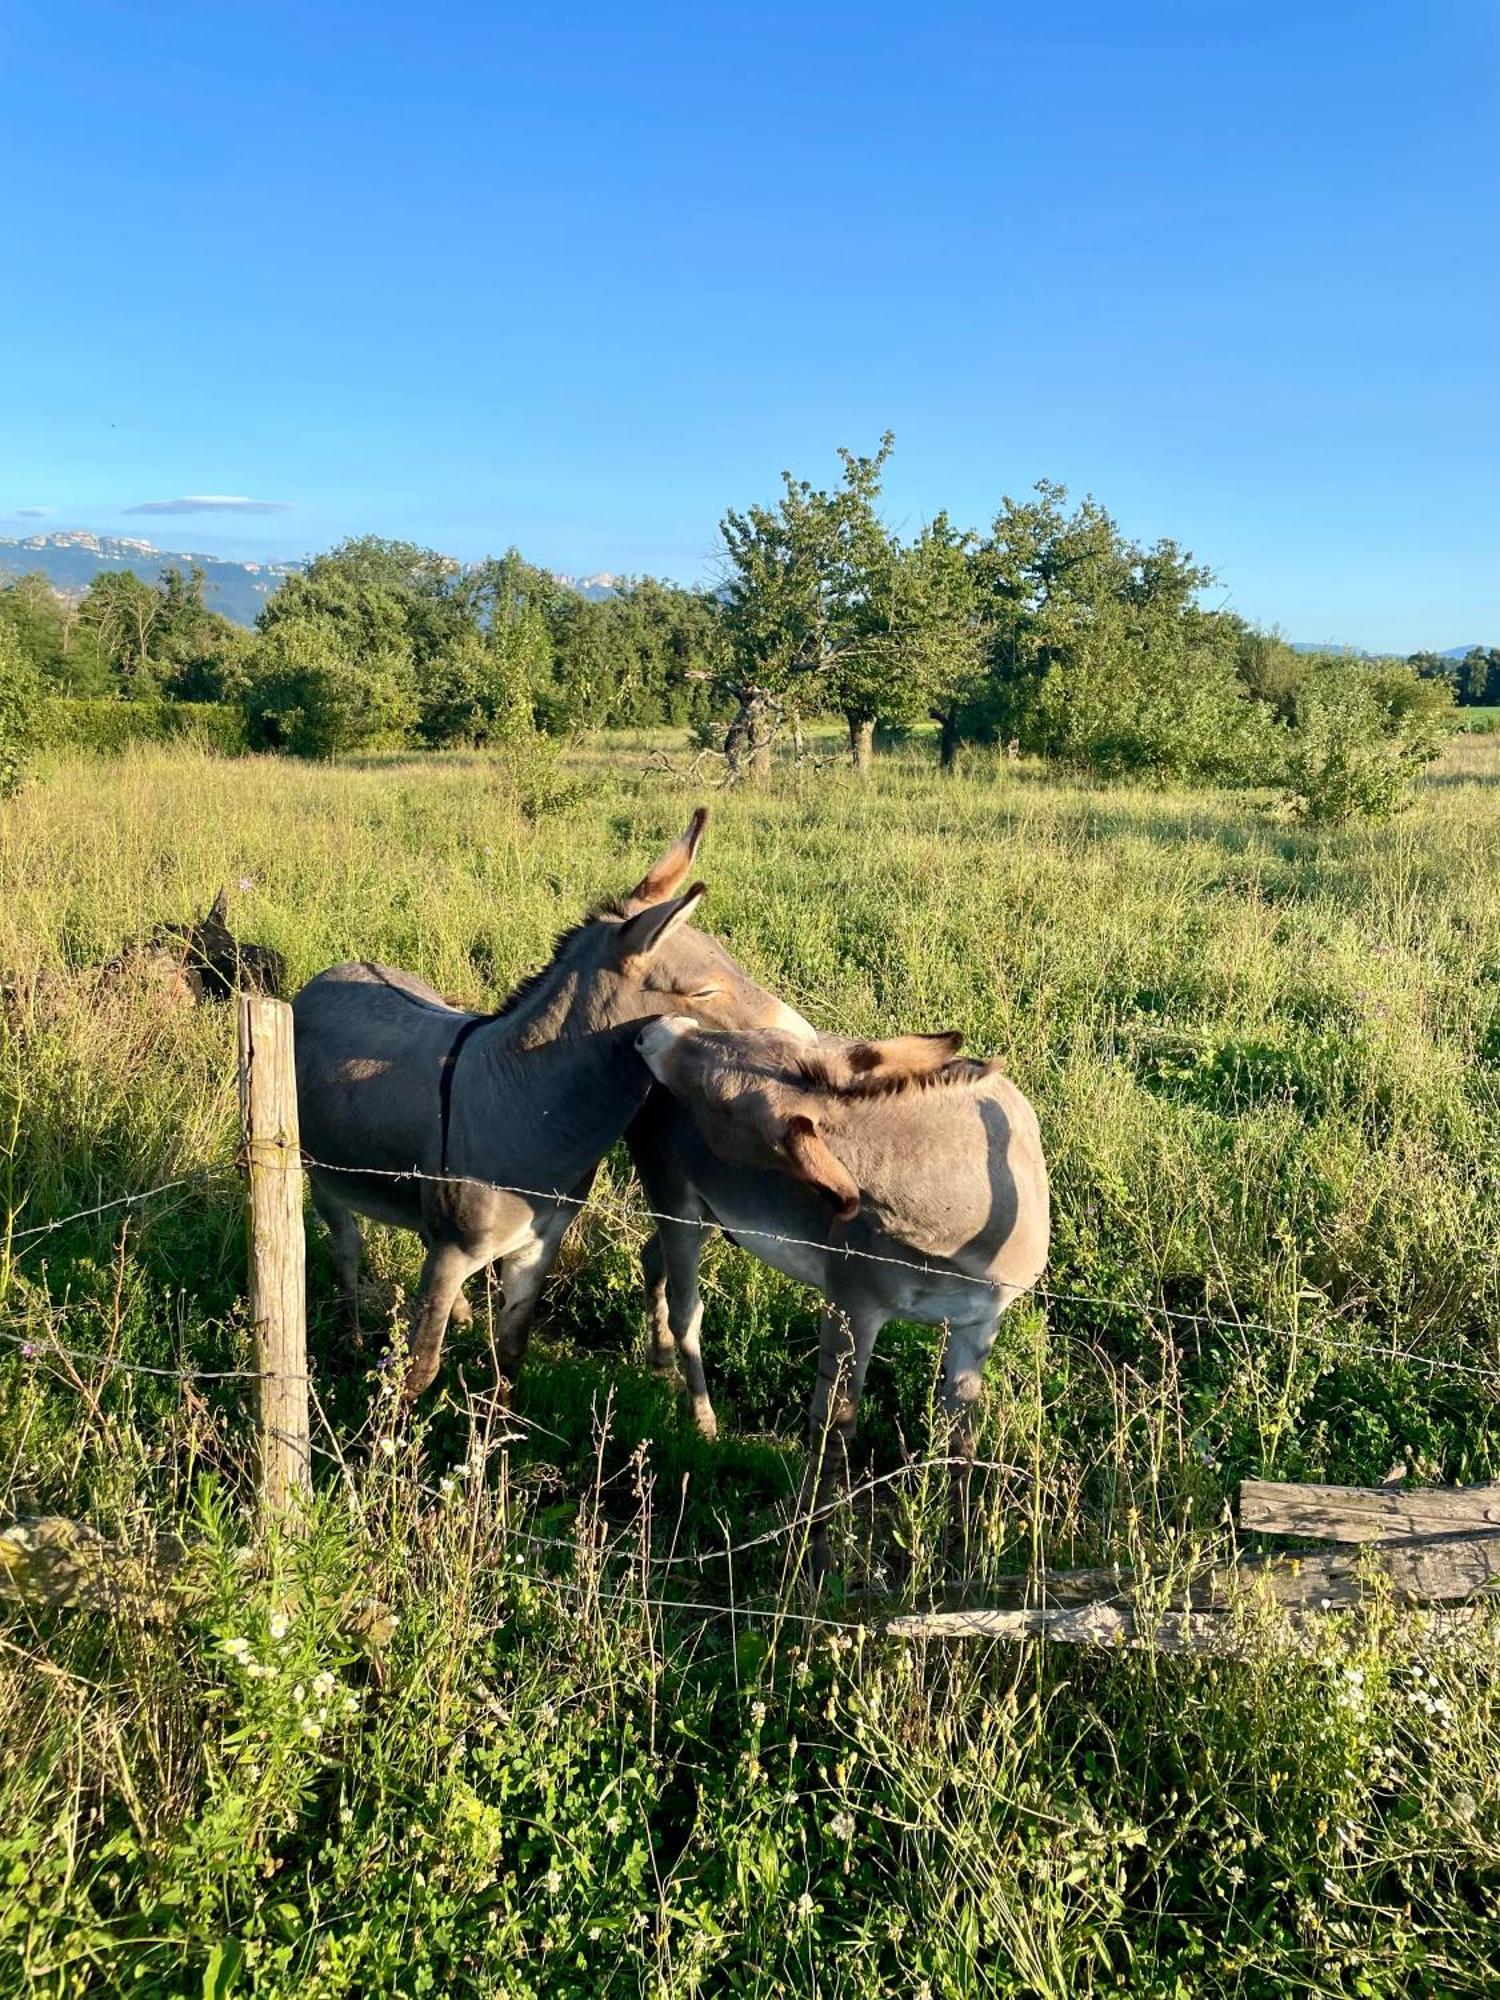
(104, 726)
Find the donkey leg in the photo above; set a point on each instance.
(846, 1342)
(681, 1248)
(658, 1317)
(460, 1313)
(445, 1270)
(967, 1349)
(348, 1247)
(522, 1275)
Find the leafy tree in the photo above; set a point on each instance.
(512, 603)
(40, 620)
(1479, 677)
(119, 614)
(197, 653)
(473, 691)
(807, 606)
(1359, 734)
(1100, 651)
(20, 708)
(648, 653)
(309, 692)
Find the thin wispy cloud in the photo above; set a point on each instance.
(211, 503)
(32, 513)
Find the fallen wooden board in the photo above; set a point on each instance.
(1081, 1625)
(1192, 1614)
(1365, 1513)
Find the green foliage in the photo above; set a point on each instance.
(106, 727)
(826, 609)
(311, 694)
(649, 653)
(474, 691)
(40, 621)
(1358, 735)
(1100, 652)
(20, 705)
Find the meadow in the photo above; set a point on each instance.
(518, 1712)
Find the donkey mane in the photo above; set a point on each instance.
(824, 1074)
(563, 942)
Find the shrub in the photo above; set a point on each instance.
(106, 727)
(309, 694)
(474, 691)
(1359, 735)
(20, 709)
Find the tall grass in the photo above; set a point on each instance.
(1264, 1063)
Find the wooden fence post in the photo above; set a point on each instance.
(278, 1246)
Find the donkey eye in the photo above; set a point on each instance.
(706, 993)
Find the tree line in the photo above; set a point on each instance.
(1051, 631)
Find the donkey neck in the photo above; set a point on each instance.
(565, 1000)
(542, 1113)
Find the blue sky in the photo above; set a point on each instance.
(580, 277)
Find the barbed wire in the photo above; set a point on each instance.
(198, 1174)
(1322, 1336)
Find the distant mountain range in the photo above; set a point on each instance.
(605, 584)
(71, 559)
(1357, 653)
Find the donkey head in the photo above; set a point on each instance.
(656, 962)
(769, 1101)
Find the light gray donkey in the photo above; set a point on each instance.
(393, 1081)
(928, 1169)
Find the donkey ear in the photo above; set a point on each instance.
(904, 1055)
(813, 1162)
(219, 914)
(670, 872)
(645, 933)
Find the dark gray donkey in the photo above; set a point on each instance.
(393, 1083)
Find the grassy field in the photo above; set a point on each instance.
(469, 1734)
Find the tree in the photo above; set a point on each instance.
(120, 613)
(511, 603)
(1359, 734)
(308, 692)
(39, 618)
(198, 654)
(649, 652)
(945, 637)
(1100, 651)
(20, 709)
(473, 692)
(807, 606)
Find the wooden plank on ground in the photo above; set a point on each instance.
(1193, 1614)
(1365, 1513)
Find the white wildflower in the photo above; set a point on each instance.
(323, 1686)
(280, 1625)
(552, 1881)
(237, 1649)
(841, 1826)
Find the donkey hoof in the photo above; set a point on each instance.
(460, 1313)
(705, 1420)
